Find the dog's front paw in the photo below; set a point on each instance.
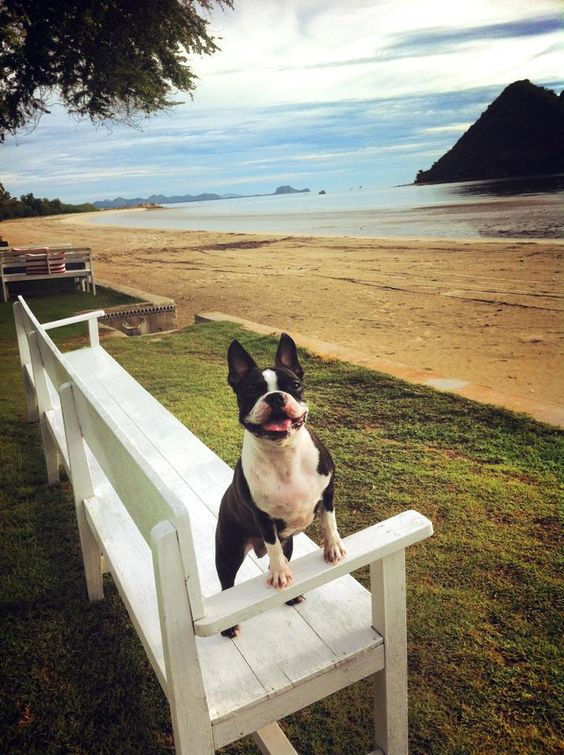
(279, 575)
(333, 550)
(232, 631)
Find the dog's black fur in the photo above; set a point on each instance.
(285, 474)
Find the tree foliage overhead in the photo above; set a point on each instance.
(105, 59)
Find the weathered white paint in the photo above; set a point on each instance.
(25, 361)
(83, 488)
(387, 582)
(186, 694)
(271, 739)
(83, 317)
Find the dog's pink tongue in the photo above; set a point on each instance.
(278, 425)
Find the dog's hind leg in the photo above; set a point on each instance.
(229, 555)
(288, 549)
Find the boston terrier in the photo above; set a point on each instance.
(284, 476)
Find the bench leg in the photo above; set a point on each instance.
(91, 557)
(387, 580)
(185, 687)
(271, 740)
(30, 398)
(43, 405)
(51, 454)
(25, 361)
(83, 488)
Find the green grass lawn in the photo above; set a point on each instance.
(483, 593)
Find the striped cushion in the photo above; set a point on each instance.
(43, 262)
(57, 262)
(36, 263)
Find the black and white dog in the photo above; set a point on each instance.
(284, 476)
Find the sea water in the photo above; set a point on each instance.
(512, 208)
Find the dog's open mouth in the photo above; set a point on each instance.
(277, 426)
(282, 424)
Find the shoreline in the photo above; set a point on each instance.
(490, 311)
(530, 217)
(85, 218)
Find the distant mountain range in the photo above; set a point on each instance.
(520, 134)
(155, 199)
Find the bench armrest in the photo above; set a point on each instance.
(90, 317)
(72, 320)
(252, 597)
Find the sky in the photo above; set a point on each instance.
(323, 94)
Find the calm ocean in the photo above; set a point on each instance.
(515, 208)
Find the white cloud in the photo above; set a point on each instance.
(334, 88)
(297, 50)
(447, 129)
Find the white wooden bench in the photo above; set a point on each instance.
(147, 493)
(40, 263)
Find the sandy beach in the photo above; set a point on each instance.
(490, 312)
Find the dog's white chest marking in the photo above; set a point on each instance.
(283, 479)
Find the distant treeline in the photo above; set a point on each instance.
(28, 206)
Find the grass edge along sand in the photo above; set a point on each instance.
(483, 592)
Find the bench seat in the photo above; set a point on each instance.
(244, 672)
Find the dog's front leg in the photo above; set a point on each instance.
(333, 548)
(279, 573)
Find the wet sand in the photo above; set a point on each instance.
(491, 312)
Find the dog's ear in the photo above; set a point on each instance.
(287, 355)
(240, 363)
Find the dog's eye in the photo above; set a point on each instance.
(295, 385)
(249, 391)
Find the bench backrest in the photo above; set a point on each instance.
(44, 260)
(130, 472)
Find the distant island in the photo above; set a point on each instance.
(520, 134)
(290, 190)
(158, 199)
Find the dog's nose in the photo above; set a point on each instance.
(275, 400)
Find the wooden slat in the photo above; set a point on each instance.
(202, 469)
(247, 719)
(143, 492)
(129, 559)
(14, 277)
